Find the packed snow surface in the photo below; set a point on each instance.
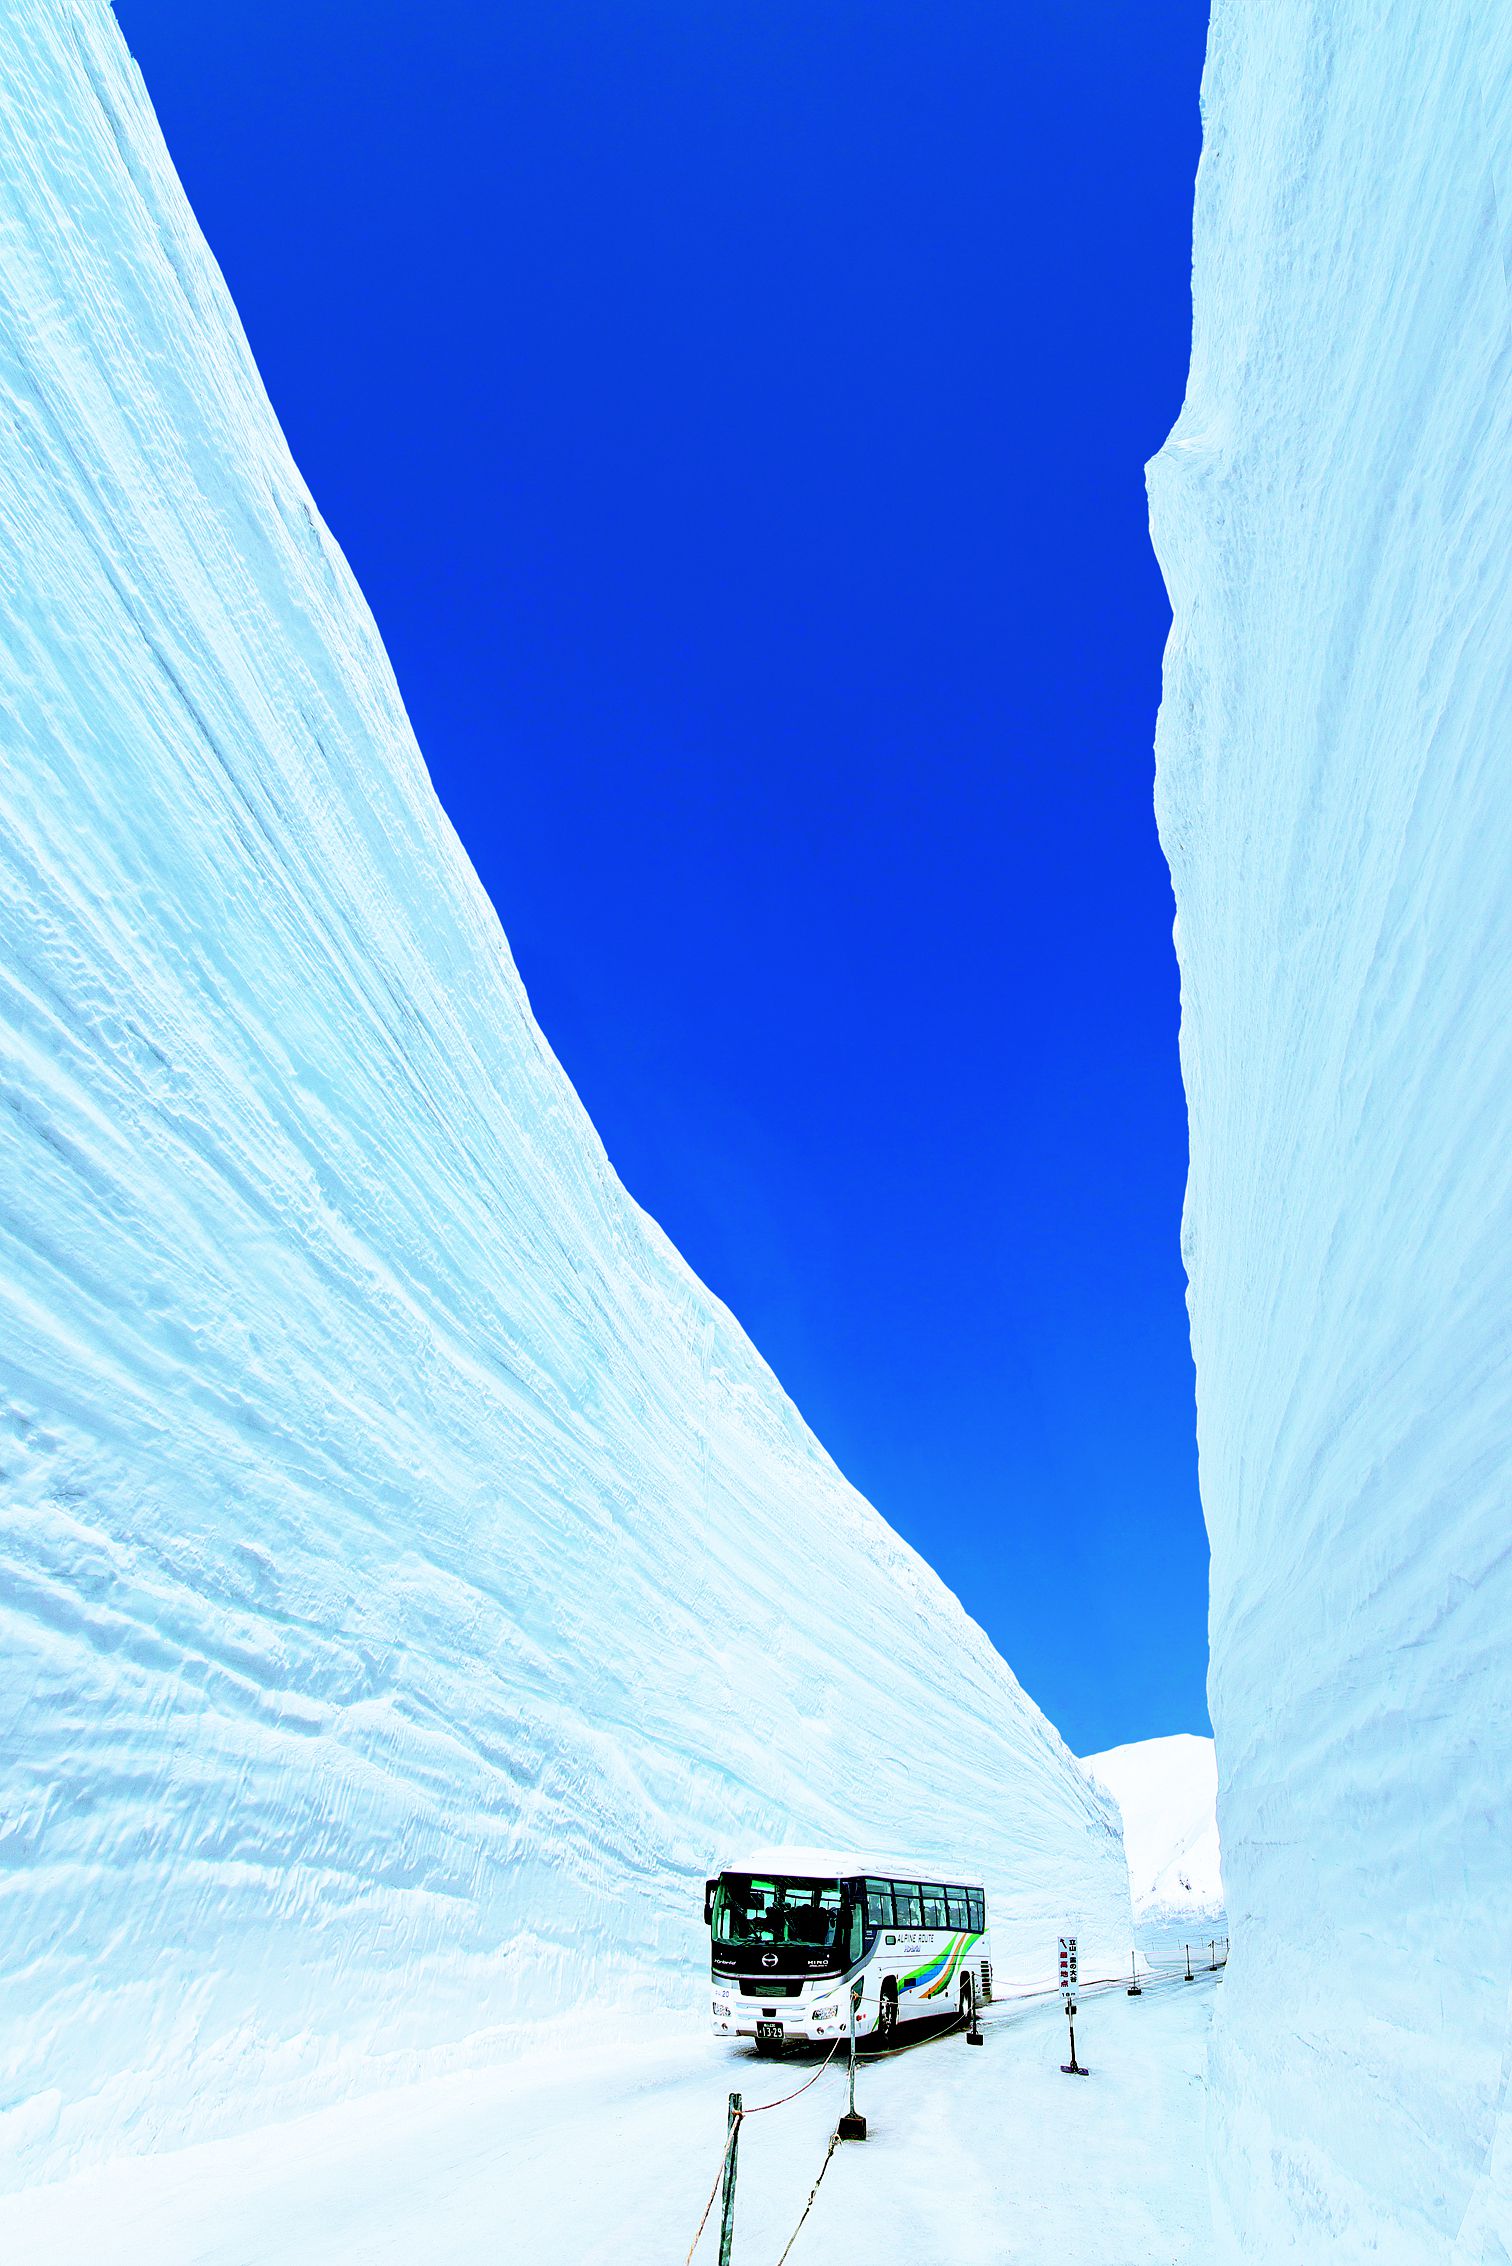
(1167, 1791)
(583, 2156)
(413, 1578)
(1334, 515)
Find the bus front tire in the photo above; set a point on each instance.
(887, 2014)
(968, 2000)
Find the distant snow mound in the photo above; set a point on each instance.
(1167, 1792)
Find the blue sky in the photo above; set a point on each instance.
(735, 413)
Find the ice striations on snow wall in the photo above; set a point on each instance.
(1334, 515)
(412, 1576)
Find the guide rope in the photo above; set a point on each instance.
(737, 2121)
(834, 2142)
(714, 2190)
(910, 2045)
(762, 2106)
(1158, 1975)
(889, 2053)
(1156, 1971)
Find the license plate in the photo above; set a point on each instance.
(770, 2033)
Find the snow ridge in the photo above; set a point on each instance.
(1333, 513)
(412, 1575)
(1167, 1793)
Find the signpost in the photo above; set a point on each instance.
(1073, 2067)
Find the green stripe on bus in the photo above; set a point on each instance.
(956, 1956)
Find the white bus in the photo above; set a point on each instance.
(791, 1934)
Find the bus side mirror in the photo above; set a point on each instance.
(709, 1888)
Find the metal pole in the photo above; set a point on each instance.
(1186, 1947)
(1212, 1955)
(852, 2126)
(727, 2203)
(1134, 1990)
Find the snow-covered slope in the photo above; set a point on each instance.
(1167, 1791)
(1334, 515)
(411, 1574)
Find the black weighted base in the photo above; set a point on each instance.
(852, 2125)
(1074, 2069)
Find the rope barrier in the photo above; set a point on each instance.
(714, 2190)
(738, 2120)
(1000, 2000)
(889, 2053)
(762, 2106)
(911, 2045)
(834, 2143)
(1155, 1968)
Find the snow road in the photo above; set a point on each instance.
(975, 2158)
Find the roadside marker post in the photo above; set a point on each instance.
(1134, 1990)
(1213, 1956)
(852, 2125)
(727, 2200)
(1191, 1978)
(1073, 2067)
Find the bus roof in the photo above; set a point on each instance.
(845, 1864)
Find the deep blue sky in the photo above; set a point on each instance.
(735, 411)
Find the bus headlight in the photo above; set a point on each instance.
(720, 2007)
(827, 2012)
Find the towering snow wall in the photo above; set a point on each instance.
(412, 1576)
(1334, 515)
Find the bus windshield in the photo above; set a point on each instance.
(749, 1910)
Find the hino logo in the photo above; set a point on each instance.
(769, 1959)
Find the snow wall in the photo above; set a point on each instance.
(411, 1574)
(1334, 516)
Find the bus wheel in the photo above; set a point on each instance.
(887, 2014)
(968, 2000)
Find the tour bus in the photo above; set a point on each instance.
(790, 1936)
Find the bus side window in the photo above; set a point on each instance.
(906, 1904)
(958, 1909)
(933, 1901)
(977, 1904)
(879, 1904)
